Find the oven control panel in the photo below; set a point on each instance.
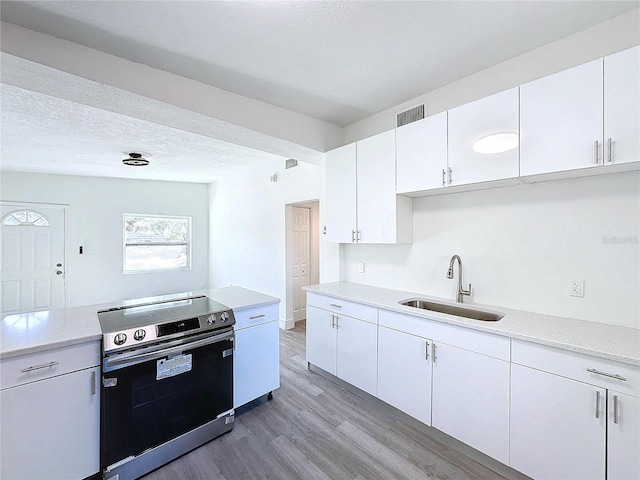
(135, 336)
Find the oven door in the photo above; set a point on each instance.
(155, 394)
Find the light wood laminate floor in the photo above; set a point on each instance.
(314, 429)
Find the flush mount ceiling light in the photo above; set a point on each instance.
(496, 143)
(136, 160)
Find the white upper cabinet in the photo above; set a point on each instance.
(491, 119)
(340, 175)
(361, 201)
(421, 154)
(622, 107)
(561, 121)
(383, 217)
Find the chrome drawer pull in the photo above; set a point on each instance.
(610, 375)
(615, 409)
(597, 404)
(257, 316)
(596, 155)
(93, 383)
(337, 306)
(38, 367)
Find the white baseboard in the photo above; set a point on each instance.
(287, 324)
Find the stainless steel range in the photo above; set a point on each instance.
(167, 382)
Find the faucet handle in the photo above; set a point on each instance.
(465, 292)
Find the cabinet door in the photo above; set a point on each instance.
(357, 355)
(622, 107)
(623, 462)
(557, 426)
(404, 372)
(471, 399)
(321, 339)
(376, 180)
(340, 175)
(560, 121)
(51, 428)
(256, 362)
(421, 154)
(497, 114)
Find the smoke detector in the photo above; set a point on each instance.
(136, 160)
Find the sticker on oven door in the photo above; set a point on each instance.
(173, 366)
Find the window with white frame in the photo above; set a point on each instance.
(155, 243)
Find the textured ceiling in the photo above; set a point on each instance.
(339, 61)
(74, 139)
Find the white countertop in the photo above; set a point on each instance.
(33, 332)
(621, 344)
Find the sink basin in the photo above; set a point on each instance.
(483, 315)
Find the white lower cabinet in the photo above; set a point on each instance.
(342, 340)
(623, 435)
(557, 426)
(471, 399)
(256, 359)
(404, 372)
(570, 417)
(50, 426)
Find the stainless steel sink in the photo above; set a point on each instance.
(466, 312)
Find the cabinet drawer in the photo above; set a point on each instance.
(337, 305)
(461, 337)
(576, 366)
(49, 363)
(255, 316)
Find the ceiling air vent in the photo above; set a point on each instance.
(411, 115)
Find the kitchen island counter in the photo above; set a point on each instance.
(37, 331)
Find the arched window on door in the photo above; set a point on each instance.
(25, 218)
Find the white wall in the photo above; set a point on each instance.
(247, 226)
(521, 246)
(94, 220)
(599, 41)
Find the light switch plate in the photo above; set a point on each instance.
(361, 267)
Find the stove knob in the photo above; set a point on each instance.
(139, 334)
(120, 339)
(224, 316)
(211, 320)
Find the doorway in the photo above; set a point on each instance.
(302, 257)
(32, 258)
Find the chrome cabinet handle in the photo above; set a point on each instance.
(596, 156)
(357, 235)
(435, 357)
(337, 321)
(443, 177)
(450, 176)
(615, 409)
(427, 350)
(333, 320)
(93, 383)
(597, 403)
(353, 236)
(38, 367)
(337, 306)
(610, 154)
(605, 374)
(257, 316)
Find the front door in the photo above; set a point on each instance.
(31, 259)
(301, 248)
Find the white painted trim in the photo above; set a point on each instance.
(287, 324)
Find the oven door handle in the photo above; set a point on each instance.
(183, 345)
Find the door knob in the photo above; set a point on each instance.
(59, 272)
(58, 265)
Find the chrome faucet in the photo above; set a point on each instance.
(461, 291)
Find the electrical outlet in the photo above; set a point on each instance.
(361, 267)
(576, 288)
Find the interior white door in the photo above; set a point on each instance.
(301, 249)
(32, 269)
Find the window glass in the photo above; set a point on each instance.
(156, 243)
(25, 218)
